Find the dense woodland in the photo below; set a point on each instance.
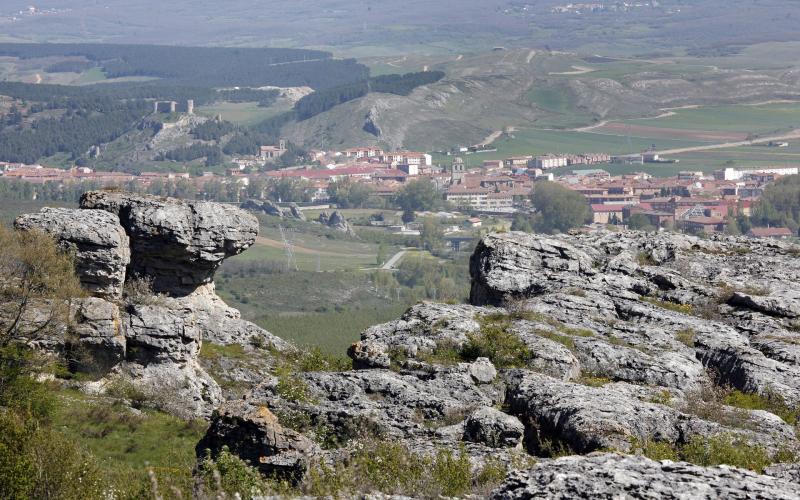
(74, 132)
(207, 66)
(51, 119)
(321, 101)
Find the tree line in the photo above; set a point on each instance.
(74, 132)
(207, 66)
(321, 101)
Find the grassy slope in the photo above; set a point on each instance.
(127, 441)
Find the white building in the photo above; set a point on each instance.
(735, 174)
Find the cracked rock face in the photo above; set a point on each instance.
(611, 476)
(253, 432)
(97, 239)
(178, 244)
(152, 341)
(619, 339)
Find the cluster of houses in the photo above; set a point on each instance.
(690, 201)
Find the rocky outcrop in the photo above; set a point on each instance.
(337, 222)
(493, 428)
(253, 432)
(269, 207)
(296, 212)
(151, 339)
(575, 344)
(177, 244)
(97, 341)
(96, 238)
(611, 476)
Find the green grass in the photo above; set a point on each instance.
(752, 119)
(125, 442)
(243, 113)
(773, 404)
(332, 332)
(92, 75)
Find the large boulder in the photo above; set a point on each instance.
(253, 432)
(178, 244)
(96, 238)
(611, 476)
(494, 428)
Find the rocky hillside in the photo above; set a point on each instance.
(662, 346)
(489, 92)
(607, 365)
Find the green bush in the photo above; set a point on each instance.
(723, 449)
(772, 403)
(38, 462)
(496, 342)
(229, 474)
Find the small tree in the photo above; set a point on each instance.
(419, 195)
(432, 235)
(640, 222)
(558, 208)
(37, 285)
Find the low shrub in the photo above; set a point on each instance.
(722, 449)
(772, 403)
(495, 341)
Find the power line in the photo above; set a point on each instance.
(291, 262)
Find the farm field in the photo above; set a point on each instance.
(536, 141)
(243, 113)
(312, 251)
(757, 119)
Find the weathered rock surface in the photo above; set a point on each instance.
(611, 476)
(178, 244)
(336, 221)
(253, 432)
(493, 428)
(97, 342)
(152, 341)
(97, 239)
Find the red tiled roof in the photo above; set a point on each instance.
(765, 232)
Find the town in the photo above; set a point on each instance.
(691, 201)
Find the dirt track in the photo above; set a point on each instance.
(795, 134)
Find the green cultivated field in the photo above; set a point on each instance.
(536, 142)
(752, 119)
(243, 113)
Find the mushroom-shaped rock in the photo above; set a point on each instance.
(177, 243)
(97, 239)
(493, 428)
(253, 433)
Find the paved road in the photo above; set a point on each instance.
(394, 260)
(792, 135)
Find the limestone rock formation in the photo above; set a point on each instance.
(253, 433)
(178, 244)
(296, 212)
(151, 339)
(336, 221)
(494, 428)
(580, 343)
(611, 476)
(98, 342)
(97, 239)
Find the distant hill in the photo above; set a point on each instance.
(525, 88)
